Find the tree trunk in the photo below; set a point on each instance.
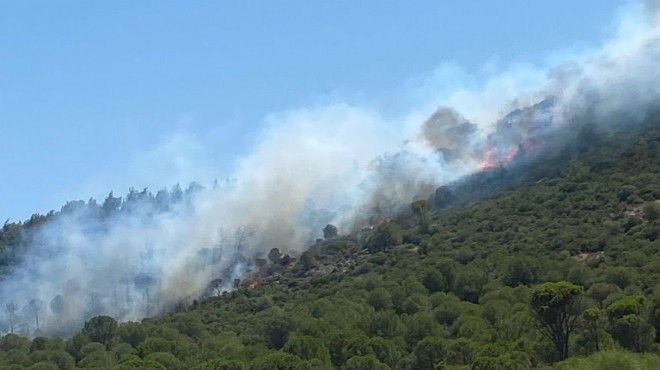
(561, 345)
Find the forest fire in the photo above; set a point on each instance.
(251, 284)
(384, 220)
(494, 159)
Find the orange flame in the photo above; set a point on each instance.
(494, 159)
(384, 220)
(251, 284)
(510, 154)
(488, 161)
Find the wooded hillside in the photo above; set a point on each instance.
(514, 268)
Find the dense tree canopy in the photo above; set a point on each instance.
(512, 268)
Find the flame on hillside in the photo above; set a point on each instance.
(253, 283)
(496, 157)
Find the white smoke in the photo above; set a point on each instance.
(339, 164)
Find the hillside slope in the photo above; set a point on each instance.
(447, 288)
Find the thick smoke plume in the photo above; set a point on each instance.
(339, 164)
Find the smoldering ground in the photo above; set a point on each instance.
(340, 164)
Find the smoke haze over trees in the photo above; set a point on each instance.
(344, 165)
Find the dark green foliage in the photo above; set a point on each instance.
(430, 352)
(651, 210)
(386, 324)
(277, 329)
(386, 351)
(307, 261)
(470, 283)
(94, 355)
(593, 321)
(611, 360)
(153, 345)
(629, 325)
(166, 359)
(521, 270)
(330, 232)
(220, 364)
(385, 236)
(368, 362)
(132, 333)
(12, 341)
(74, 345)
(569, 245)
(379, 299)
(556, 306)
(139, 364)
(447, 311)
(44, 366)
(279, 361)
(419, 326)
(308, 348)
(100, 329)
(599, 292)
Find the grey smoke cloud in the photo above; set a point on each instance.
(339, 164)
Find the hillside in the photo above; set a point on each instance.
(448, 284)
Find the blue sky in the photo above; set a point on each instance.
(86, 87)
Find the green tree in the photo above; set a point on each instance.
(275, 256)
(138, 363)
(430, 352)
(43, 365)
(422, 210)
(63, 360)
(132, 333)
(556, 306)
(379, 299)
(94, 355)
(153, 345)
(447, 311)
(461, 352)
(100, 329)
(356, 345)
(308, 348)
(470, 283)
(520, 270)
(592, 318)
(629, 326)
(276, 330)
(330, 232)
(652, 210)
(600, 291)
(384, 324)
(74, 344)
(279, 361)
(221, 364)
(387, 351)
(168, 360)
(419, 326)
(307, 260)
(434, 281)
(368, 362)
(384, 236)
